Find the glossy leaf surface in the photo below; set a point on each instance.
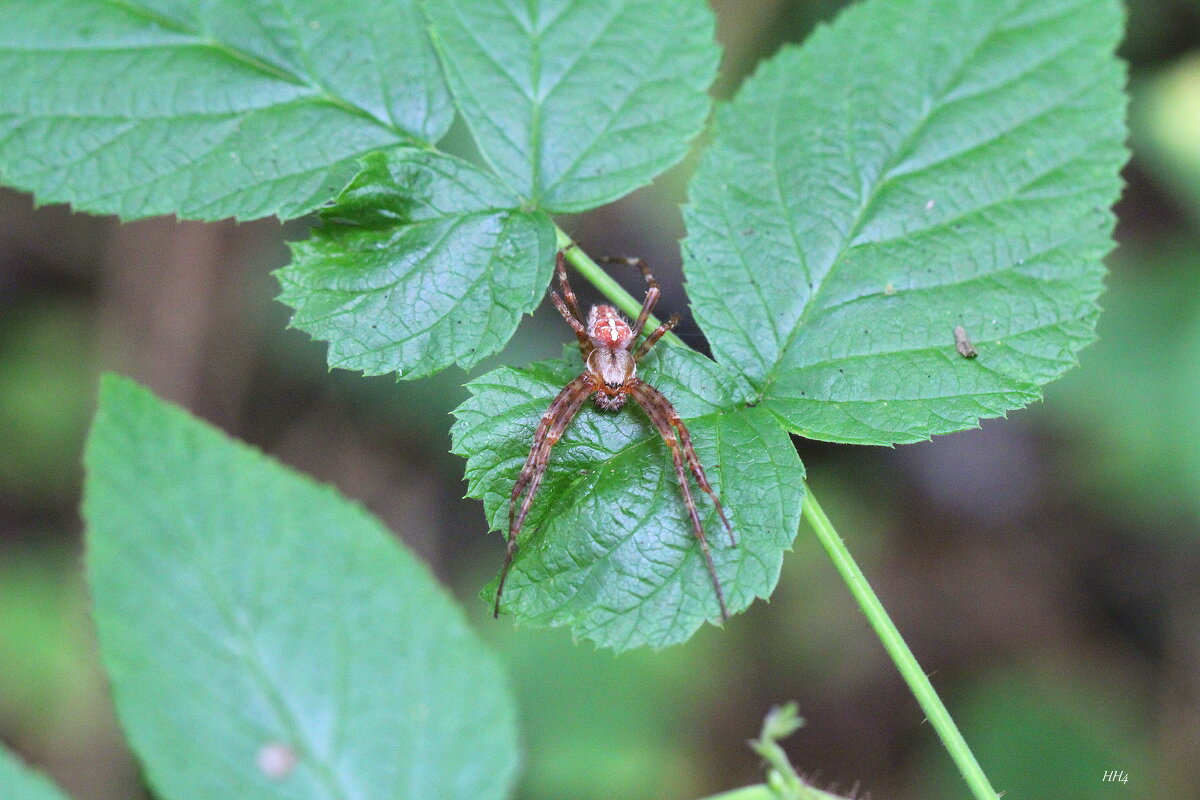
(608, 549)
(423, 261)
(209, 110)
(913, 167)
(577, 102)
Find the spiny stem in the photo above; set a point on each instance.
(901, 656)
(885, 629)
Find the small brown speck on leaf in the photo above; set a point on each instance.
(962, 343)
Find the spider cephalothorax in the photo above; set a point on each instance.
(605, 342)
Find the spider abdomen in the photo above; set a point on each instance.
(608, 329)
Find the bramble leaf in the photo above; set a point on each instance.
(422, 262)
(200, 553)
(209, 110)
(577, 102)
(608, 549)
(913, 167)
(21, 783)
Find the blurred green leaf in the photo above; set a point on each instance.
(43, 646)
(209, 110)
(599, 727)
(1051, 736)
(608, 549)
(424, 261)
(21, 783)
(46, 396)
(577, 102)
(1165, 118)
(1132, 408)
(913, 167)
(267, 639)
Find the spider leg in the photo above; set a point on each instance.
(558, 416)
(560, 269)
(662, 413)
(685, 442)
(568, 305)
(652, 291)
(653, 338)
(585, 344)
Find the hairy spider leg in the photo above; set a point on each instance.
(560, 269)
(653, 338)
(554, 422)
(661, 413)
(585, 344)
(652, 292)
(568, 305)
(685, 441)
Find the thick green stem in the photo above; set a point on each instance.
(901, 656)
(885, 629)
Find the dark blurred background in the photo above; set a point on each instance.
(1044, 568)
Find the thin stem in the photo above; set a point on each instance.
(607, 286)
(885, 629)
(759, 791)
(901, 656)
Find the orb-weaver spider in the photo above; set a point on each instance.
(605, 342)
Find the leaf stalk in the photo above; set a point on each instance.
(902, 657)
(596, 276)
(852, 575)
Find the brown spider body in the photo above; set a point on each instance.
(605, 342)
(610, 363)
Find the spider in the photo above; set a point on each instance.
(606, 343)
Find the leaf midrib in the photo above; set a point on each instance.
(586, 570)
(256, 63)
(882, 179)
(647, 440)
(566, 173)
(251, 657)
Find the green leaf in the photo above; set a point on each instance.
(265, 638)
(607, 548)
(1166, 128)
(208, 110)
(577, 102)
(21, 783)
(1131, 413)
(916, 166)
(424, 261)
(1048, 731)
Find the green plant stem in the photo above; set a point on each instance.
(607, 286)
(901, 656)
(885, 629)
(759, 791)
